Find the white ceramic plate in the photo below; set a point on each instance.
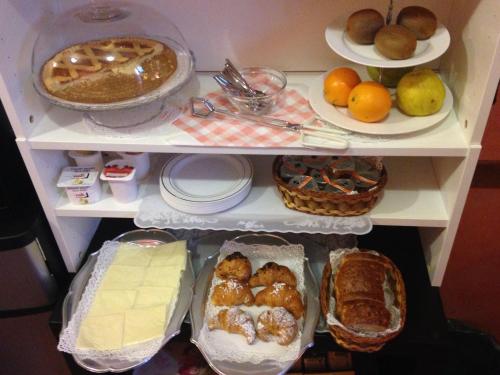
(205, 178)
(203, 208)
(169, 197)
(187, 202)
(395, 123)
(205, 184)
(427, 50)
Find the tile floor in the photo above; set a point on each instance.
(28, 347)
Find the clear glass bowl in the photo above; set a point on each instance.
(270, 82)
(110, 56)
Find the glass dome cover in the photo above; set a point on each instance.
(109, 56)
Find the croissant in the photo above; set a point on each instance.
(234, 266)
(277, 324)
(271, 273)
(234, 320)
(281, 295)
(232, 292)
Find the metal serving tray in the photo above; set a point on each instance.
(146, 238)
(201, 292)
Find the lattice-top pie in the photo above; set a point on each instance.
(108, 70)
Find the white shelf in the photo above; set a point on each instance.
(428, 191)
(61, 129)
(411, 199)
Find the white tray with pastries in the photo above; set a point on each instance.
(127, 301)
(250, 311)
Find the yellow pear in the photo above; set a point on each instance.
(420, 93)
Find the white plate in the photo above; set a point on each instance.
(199, 207)
(395, 123)
(206, 209)
(205, 178)
(169, 197)
(427, 50)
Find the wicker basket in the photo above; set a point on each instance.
(327, 203)
(346, 338)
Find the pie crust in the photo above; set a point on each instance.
(108, 70)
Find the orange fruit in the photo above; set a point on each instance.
(369, 102)
(338, 84)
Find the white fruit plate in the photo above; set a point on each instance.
(395, 123)
(427, 50)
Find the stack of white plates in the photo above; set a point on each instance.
(205, 184)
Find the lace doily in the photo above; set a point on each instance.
(155, 213)
(395, 323)
(69, 336)
(222, 346)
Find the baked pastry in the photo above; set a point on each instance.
(277, 324)
(234, 320)
(364, 315)
(271, 273)
(234, 266)
(231, 293)
(360, 279)
(281, 295)
(359, 292)
(108, 70)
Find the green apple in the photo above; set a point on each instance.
(389, 77)
(420, 93)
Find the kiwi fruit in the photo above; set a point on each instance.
(395, 42)
(419, 20)
(363, 25)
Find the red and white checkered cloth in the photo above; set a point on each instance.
(219, 130)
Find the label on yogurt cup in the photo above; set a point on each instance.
(78, 176)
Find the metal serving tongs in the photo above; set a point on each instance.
(311, 136)
(226, 85)
(236, 79)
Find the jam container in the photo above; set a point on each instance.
(140, 160)
(121, 175)
(81, 183)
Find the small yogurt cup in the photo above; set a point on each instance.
(87, 159)
(81, 183)
(121, 176)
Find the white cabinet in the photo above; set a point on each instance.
(429, 171)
